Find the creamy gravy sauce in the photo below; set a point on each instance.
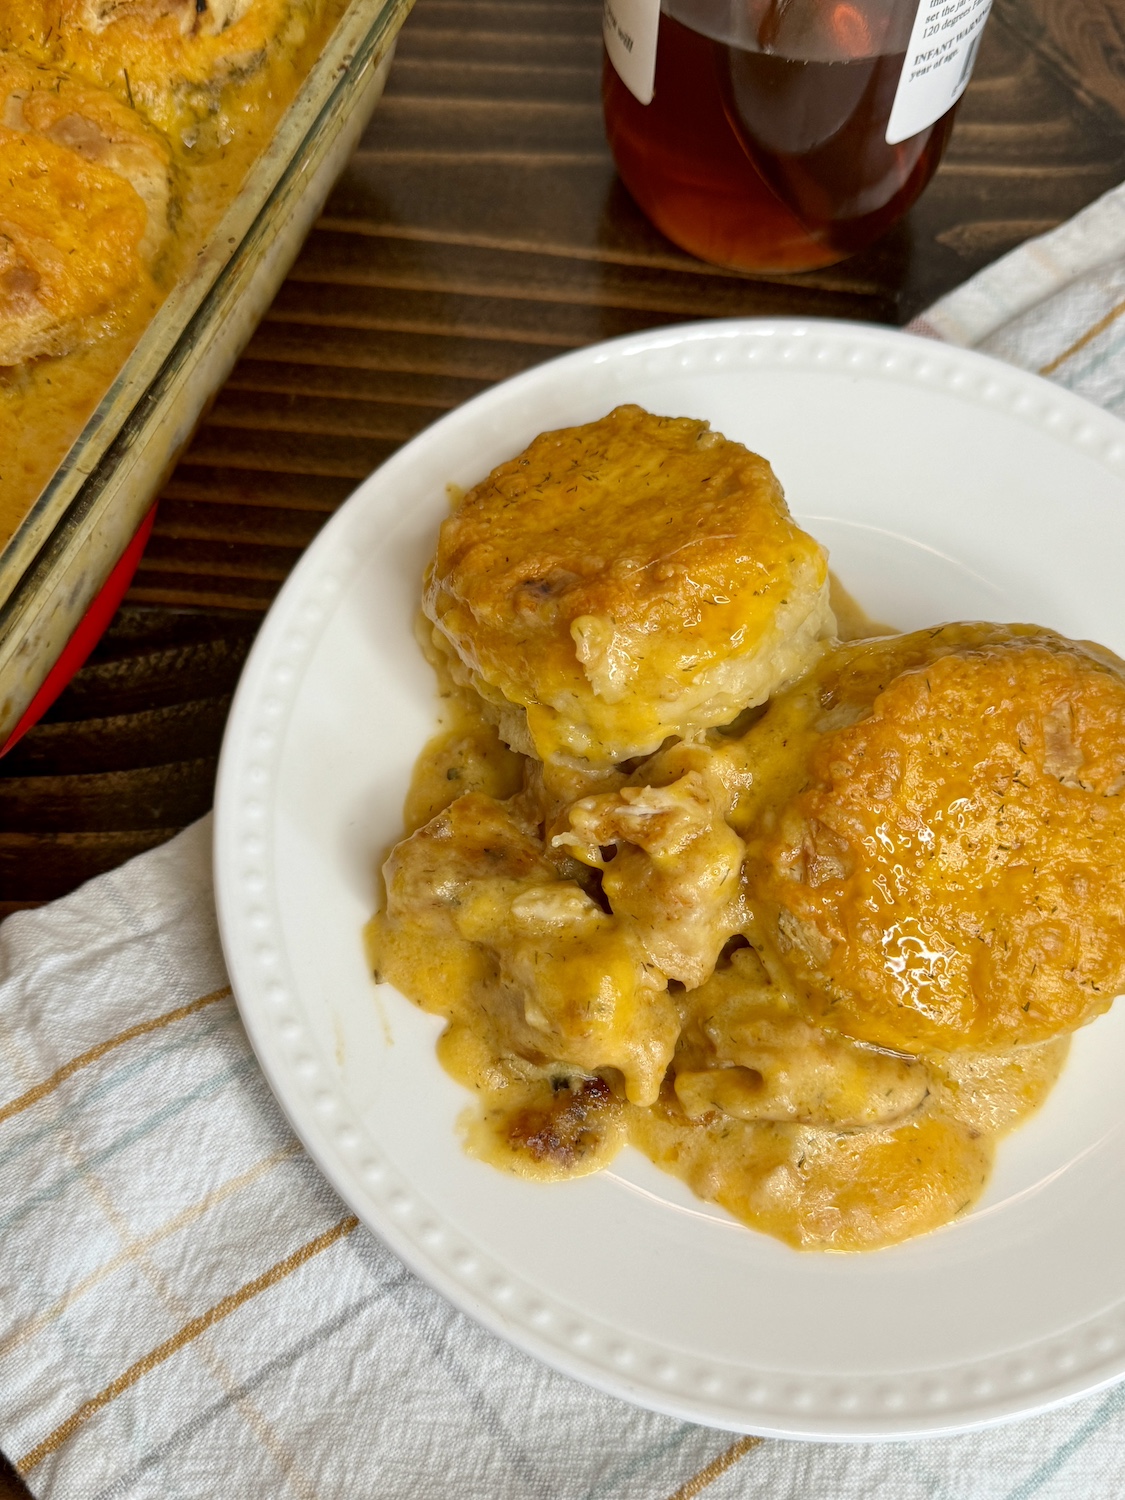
(853, 623)
(822, 1142)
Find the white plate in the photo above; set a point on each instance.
(947, 487)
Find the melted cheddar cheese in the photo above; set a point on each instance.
(621, 581)
(551, 963)
(814, 962)
(952, 871)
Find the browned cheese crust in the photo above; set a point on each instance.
(952, 872)
(619, 582)
(173, 58)
(84, 211)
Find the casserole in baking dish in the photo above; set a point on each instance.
(165, 160)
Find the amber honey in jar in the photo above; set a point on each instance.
(782, 135)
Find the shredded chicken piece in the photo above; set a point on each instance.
(473, 894)
(670, 863)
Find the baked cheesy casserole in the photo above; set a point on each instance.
(809, 921)
(126, 128)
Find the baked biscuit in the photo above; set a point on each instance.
(171, 59)
(623, 581)
(951, 873)
(23, 27)
(84, 210)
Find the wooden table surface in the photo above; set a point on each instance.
(479, 229)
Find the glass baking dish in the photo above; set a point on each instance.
(66, 546)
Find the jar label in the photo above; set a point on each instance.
(940, 57)
(629, 28)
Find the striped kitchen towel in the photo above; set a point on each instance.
(1055, 305)
(186, 1309)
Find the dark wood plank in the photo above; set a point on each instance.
(127, 754)
(546, 82)
(289, 452)
(37, 867)
(196, 481)
(433, 394)
(239, 524)
(364, 256)
(1086, 42)
(144, 676)
(341, 414)
(562, 325)
(392, 352)
(12, 1486)
(169, 795)
(147, 737)
(219, 558)
(161, 587)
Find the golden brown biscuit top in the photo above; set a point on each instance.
(23, 26)
(191, 37)
(169, 58)
(84, 210)
(70, 238)
(96, 126)
(953, 874)
(614, 564)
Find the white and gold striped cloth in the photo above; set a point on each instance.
(1055, 305)
(186, 1310)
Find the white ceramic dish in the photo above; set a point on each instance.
(947, 487)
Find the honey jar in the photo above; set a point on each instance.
(781, 135)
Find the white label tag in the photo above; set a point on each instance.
(629, 28)
(942, 51)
